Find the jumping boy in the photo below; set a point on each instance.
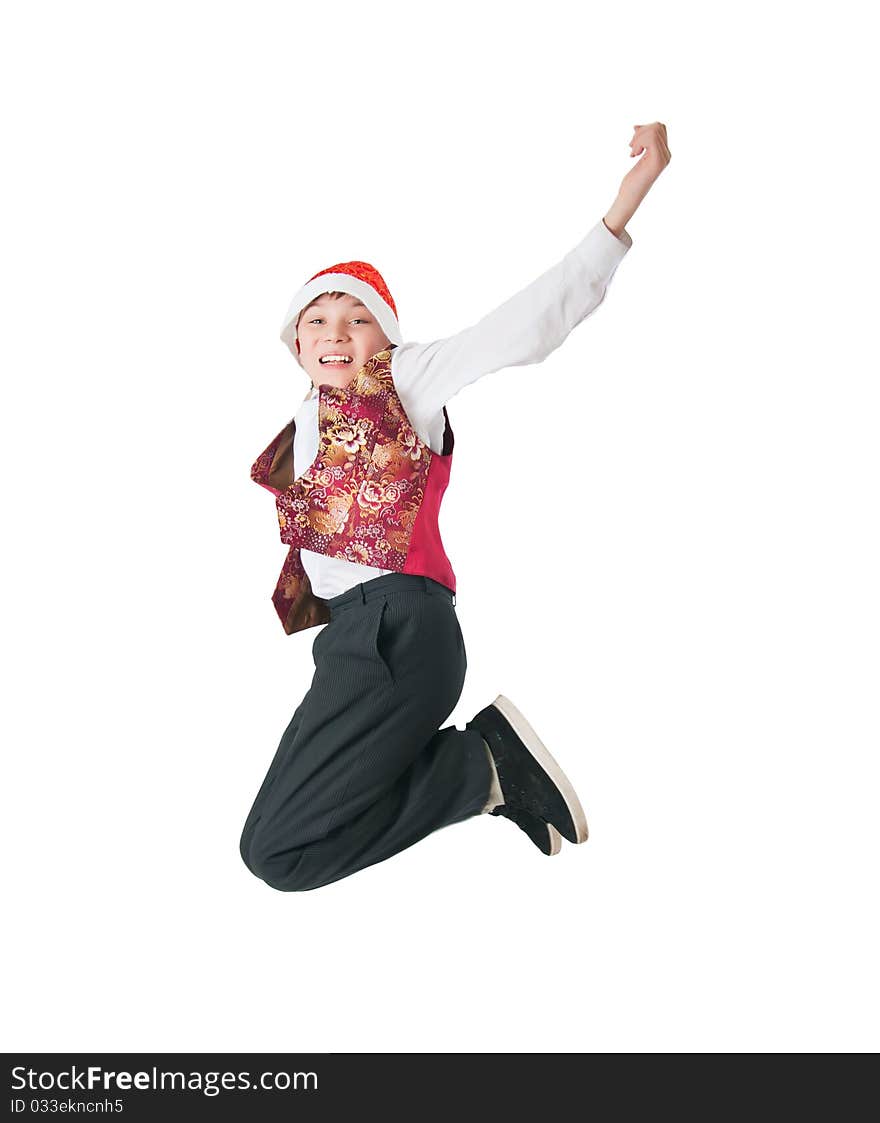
(364, 769)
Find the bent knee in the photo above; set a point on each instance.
(282, 870)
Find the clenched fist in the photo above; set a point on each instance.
(650, 140)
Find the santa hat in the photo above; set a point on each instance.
(357, 278)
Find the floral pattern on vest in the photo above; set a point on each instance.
(361, 498)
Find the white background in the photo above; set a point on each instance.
(665, 535)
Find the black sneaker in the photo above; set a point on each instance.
(544, 835)
(531, 780)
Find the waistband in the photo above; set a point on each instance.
(389, 583)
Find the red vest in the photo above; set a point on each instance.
(371, 496)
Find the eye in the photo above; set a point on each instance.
(355, 321)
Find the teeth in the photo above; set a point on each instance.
(335, 358)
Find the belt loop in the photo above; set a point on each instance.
(363, 594)
(453, 600)
(425, 583)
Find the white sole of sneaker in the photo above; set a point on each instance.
(542, 755)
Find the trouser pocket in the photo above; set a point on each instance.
(381, 634)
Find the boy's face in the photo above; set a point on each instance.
(339, 325)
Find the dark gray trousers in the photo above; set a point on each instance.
(363, 770)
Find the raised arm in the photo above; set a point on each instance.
(524, 329)
(529, 326)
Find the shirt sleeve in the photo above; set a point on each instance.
(523, 330)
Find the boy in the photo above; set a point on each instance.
(363, 770)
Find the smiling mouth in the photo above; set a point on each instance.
(335, 362)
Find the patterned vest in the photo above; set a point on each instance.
(372, 494)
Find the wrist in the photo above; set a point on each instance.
(618, 216)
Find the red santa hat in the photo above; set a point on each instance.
(357, 278)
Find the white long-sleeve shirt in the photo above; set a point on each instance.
(523, 330)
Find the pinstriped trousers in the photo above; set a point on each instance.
(364, 770)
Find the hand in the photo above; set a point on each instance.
(650, 140)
